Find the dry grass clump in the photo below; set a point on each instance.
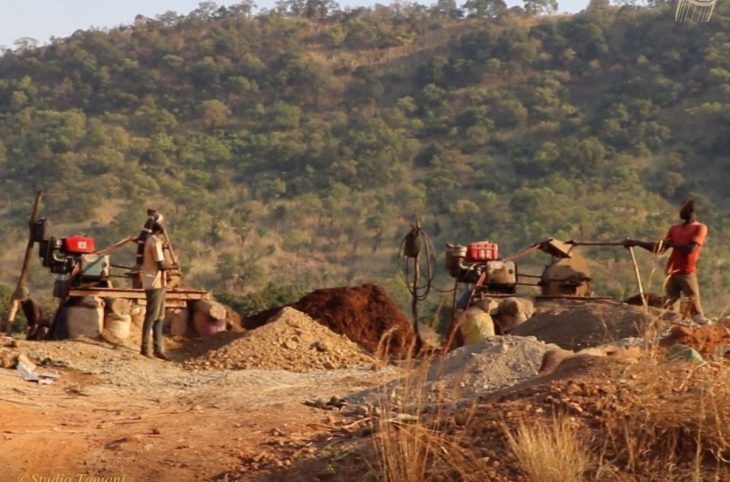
(404, 452)
(404, 446)
(417, 441)
(414, 452)
(674, 417)
(549, 450)
(412, 440)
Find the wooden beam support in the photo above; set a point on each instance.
(138, 294)
(23, 279)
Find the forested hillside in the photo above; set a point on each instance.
(291, 148)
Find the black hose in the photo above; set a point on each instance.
(416, 243)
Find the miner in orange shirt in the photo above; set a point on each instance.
(686, 240)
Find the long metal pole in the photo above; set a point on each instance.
(638, 276)
(596, 243)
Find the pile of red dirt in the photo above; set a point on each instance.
(365, 314)
(705, 339)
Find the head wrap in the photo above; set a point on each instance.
(688, 209)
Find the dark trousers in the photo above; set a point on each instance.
(153, 317)
(687, 285)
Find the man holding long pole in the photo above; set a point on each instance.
(685, 240)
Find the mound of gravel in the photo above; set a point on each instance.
(290, 341)
(494, 363)
(577, 325)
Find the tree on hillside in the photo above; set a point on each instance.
(446, 9)
(537, 7)
(214, 113)
(205, 10)
(24, 44)
(319, 9)
(239, 10)
(366, 88)
(598, 5)
(485, 8)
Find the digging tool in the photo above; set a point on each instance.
(176, 275)
(173, 256)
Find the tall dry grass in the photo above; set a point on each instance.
(403, 445)
(412, 439)
(673, 418)
(416, 440)
(663, 421)
(549, 450)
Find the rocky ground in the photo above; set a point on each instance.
(294, 401)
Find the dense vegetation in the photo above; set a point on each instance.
(293, 146)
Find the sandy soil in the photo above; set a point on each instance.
(114, 413)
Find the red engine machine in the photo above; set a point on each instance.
(480, 260)
(71, 257)
(478, 263)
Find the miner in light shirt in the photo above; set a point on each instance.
(153, 283)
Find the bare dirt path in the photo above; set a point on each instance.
(114, 413)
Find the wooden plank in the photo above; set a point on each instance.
(168, 303)
(106, 293)
(138, 294)
(173, 299)
(570, 297)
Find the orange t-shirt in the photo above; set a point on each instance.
(682, 262)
